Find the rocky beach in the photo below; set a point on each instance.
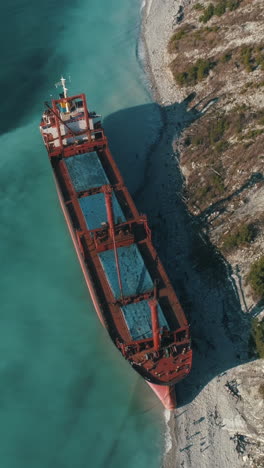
(219, 420)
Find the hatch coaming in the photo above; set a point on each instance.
(131, 318)
(86, 172)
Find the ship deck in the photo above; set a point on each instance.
(129, 287)
(86, 172)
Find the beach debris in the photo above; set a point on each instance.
(186, 448)
(198, 421)
(178, 415)
(232, 388)
(217, 418)
(193, 435)
(205, 448)
(241, 442)
(179, 16)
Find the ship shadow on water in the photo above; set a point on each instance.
(205, 283)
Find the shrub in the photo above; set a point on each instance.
(181, 79)
(203, 68)
(242, 235)
(226, 57)
(187, 140)
(256, 277)
(252, 57)
(246, 58)
(177, 36)
(198, 6)
(239, 122)
(260, 59)
(218, 128)
(198, 140)
(233, 4)
(217, 184)
(208, 13)
(194, 73)
(221, 146)
(257, 333)
(220, 8)
(261, 390)
(201, 192)
(253, 133)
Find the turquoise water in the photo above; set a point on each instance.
(67, 398)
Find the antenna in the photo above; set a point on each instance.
(62, 83)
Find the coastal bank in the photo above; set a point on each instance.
(216, 423)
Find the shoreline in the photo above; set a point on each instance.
(162, 87)
(146, 64)
(170, 439)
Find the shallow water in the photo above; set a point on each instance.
(67, 398)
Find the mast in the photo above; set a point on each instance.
(62, 83)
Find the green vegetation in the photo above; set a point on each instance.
(257, 336)
(226, 57)
(242, 235)
(219, 9)
(260, 56)
(233, 4)
(216, 184)
(256, 279)
(205, 35)
(198, 140)
(177, 36)
(239, 119)
(212, 135)
(208, 14)
(194, 73)
(218, 128)
(252, 85)
(214, 187)
(252, 57)
(261, 390)
(219, 142)
(221, 146)
(260, 84)
(198, 6)
(246, 58)
(201, 33)
(216, 132)
(251, 134)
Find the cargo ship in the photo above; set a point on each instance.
(129, 287)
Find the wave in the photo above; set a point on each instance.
(168, 438)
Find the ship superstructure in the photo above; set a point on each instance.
(131, 292)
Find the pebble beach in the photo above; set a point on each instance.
(197, 434)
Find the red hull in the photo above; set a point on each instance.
(166, 394)
(164, 358)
